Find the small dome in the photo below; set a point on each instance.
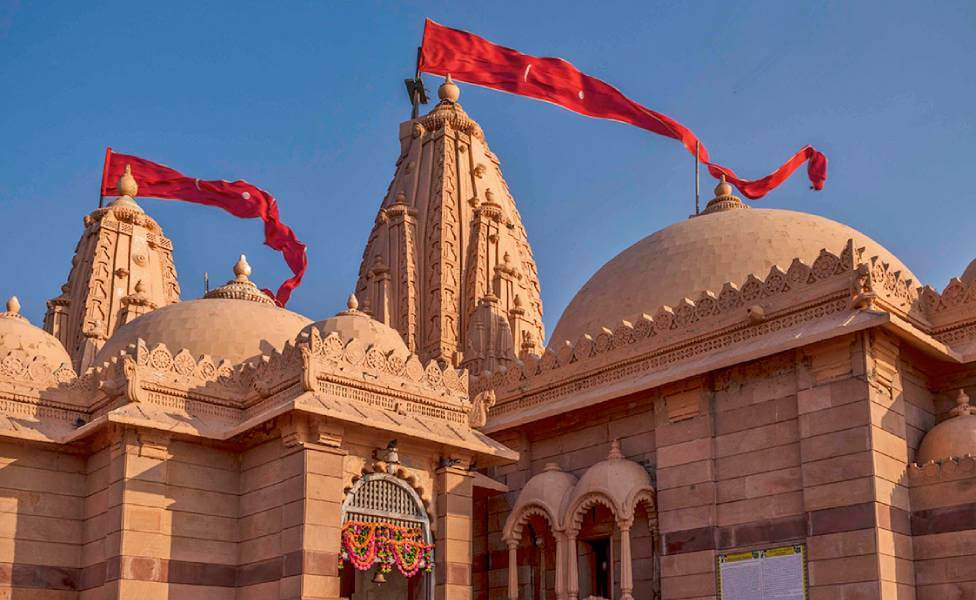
(953, 437)
(616, 478)
(17, 335)
(703, 253)
(548, 490)
(353, 323)
(235, 322)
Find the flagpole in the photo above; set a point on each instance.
(415, 111)
(697, 179)
(101, 190)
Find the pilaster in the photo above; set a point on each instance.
(452, 537)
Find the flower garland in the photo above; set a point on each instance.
(367, 543)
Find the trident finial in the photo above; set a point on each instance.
(127, 183)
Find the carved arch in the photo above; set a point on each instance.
(574, 515)
(515, 524)
(642, 495)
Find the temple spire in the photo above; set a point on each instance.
(122, 268)
(448, 254)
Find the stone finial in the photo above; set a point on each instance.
(241, 287)
(352, 303)
(13, 309)
(723, 188)
(242, 270)
(127, 185)
(962, 407)
(551, 466)
(615, 452)
(725, 198)
(449, 91)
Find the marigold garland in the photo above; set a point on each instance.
(365, 544)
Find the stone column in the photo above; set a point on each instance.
(452, 539)
(560, 565)
(573, 570)
(542, 568)
(513, 570)
(626, 568)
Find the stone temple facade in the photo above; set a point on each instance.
(750, 403)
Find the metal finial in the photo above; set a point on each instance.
(241, 269)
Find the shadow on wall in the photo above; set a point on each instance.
(42, 503)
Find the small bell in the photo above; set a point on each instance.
(379, 577)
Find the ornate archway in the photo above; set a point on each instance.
(384, 524)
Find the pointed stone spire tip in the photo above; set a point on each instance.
(615, 452)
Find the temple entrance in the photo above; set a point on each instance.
(387, 548)
(595, 555)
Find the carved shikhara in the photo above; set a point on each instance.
(120, 248)
(448, 235)
(832, 284)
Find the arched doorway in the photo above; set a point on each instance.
(387, 547)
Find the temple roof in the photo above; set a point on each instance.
(235, 322)
(727, 243)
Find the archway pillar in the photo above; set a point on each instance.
(572, 575)
(513, 583)
(452, 538)
(626, 566)
(560, 565)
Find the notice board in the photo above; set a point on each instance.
(771, 574)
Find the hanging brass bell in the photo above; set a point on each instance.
(379, 577)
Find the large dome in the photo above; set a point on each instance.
(235, 322)
(236, 330)
(703, 253)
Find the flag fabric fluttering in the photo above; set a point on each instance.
(239, 198)
(473, 59)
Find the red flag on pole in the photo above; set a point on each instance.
(239, 198)
(467, 57)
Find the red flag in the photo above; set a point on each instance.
(239, 198)
(467, 57)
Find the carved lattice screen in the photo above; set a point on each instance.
(379, 498)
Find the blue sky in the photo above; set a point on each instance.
(304, 100)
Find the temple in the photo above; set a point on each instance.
(750, 403)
